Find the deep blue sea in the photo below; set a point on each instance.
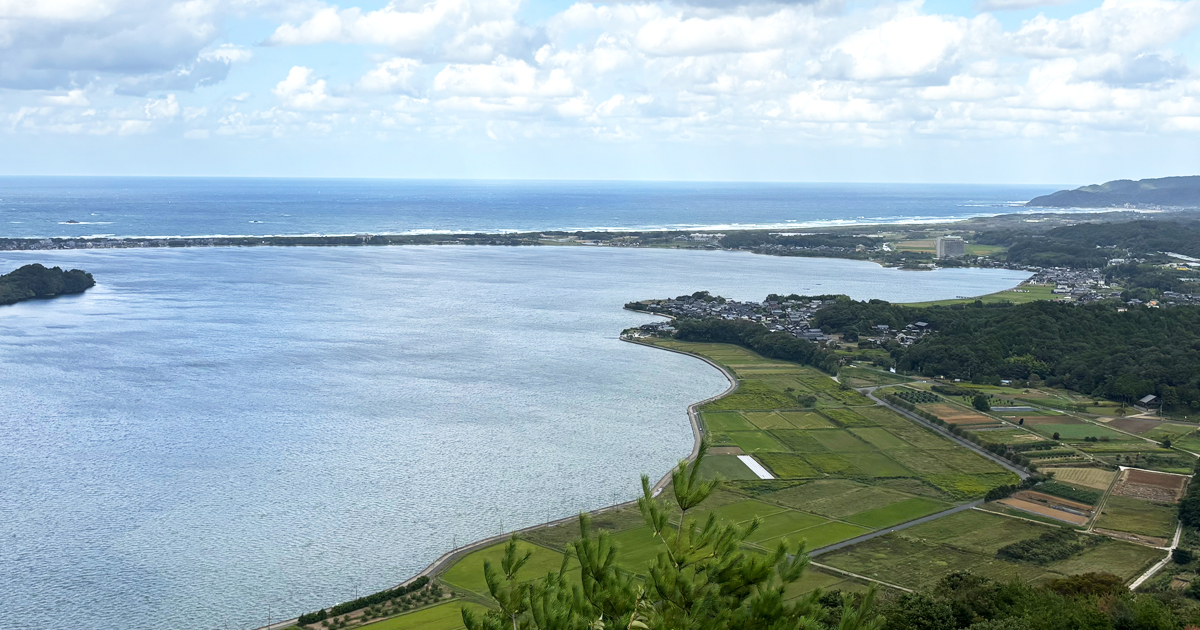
(31, 206)
(212, 436)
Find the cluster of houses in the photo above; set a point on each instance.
(779, 314)
(1077, 285)
(790, 316)
(906, 336)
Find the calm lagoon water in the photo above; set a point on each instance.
(214, 435)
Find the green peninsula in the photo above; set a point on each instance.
(1162, 191)
(39, 282)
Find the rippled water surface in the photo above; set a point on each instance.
(212, 436)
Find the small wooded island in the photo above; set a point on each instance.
(39, 282)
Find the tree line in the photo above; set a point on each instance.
(1089, 348)
(775, 345)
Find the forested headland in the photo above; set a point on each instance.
(1162, 191)
(37, 282)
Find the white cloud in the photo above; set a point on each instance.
(396, 75)
(51, 44)
(1014, 5)
(678, 71)
(298, 91)
(73, 98)
(503, 78)
(63, 10)
(464, 30)
(1126, 27)
(165, 108)
(907, 47)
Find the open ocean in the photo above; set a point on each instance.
(43, 206)
(212, 436)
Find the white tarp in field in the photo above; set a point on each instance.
(753, 465)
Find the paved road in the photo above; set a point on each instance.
(1161, 563)
(924, 519)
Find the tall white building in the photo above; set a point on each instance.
(951, 247)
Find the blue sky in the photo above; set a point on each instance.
(1009, 91)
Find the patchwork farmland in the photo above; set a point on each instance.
(844, 467)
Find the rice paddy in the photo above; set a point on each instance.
(846, 467)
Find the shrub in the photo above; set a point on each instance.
(365, 602)
(916, 397)
(1049, 547)
(1069, 492)
(953, 390)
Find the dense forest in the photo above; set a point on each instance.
(776, 345)
(1092, 349)
(1091, 245)
(36, 281)
(749, 239)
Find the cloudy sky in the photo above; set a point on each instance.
(1020, 91)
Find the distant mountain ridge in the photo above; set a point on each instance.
(1164, 191)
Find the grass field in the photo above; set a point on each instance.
(1096, 478)
(1135, 516)
(467, 573)
(897, 513)
(446, 616)
(845, 468)
(867, 377)
(919, 556)
(1019, 295)
(1077, 432)
(755, 441)
(725, 467)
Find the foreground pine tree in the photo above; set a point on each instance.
(702, 580)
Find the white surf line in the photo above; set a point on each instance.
(754, 466)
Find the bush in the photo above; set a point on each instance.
(981, 403)
(1182, 556)
(364, 602)
(1091, 497)
(1049, 547)
(916, 397)
(953, 390)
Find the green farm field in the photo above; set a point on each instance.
(446, 616)
(918, 557)
(1019, 295)
(467, 574)
(1125, 514)
(868, 377)
(844, 467)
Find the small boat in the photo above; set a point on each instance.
(72, 221)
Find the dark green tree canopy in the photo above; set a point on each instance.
(37, 281)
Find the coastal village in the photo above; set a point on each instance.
(792, 315)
